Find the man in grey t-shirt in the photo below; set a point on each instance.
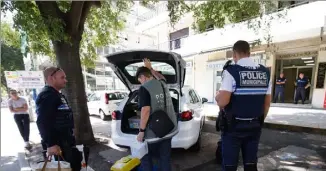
(18, 106)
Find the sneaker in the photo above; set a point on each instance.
(27, 145)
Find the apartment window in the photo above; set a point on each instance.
(106, 50)
(99, 73)
(210, 27)
(176, 38)
(99, 50)
(108, 73)
(284, 4)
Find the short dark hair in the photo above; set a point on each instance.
(143, 71)
(241, 46)
(12, 91)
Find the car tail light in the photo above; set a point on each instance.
(106, 98)
(186, 116)
(116, 115)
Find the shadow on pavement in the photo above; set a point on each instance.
(9, 163)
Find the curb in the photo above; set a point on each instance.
(23, 163)
(283, 127)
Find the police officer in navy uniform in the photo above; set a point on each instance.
(279, 88)
(245, 96)
(55, 119)
(302, 84)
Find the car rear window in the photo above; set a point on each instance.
(161, 67)
(116, 96)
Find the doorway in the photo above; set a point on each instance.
(289, 90)
(291, 74)
(291, 68)
(308, 74)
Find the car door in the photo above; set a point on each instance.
(90, 103)
(97, 102)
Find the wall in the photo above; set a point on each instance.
(312, 15)
(203, 78)
(160, 27)
(319, 94)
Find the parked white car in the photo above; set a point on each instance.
(187, 103)
(103, 103)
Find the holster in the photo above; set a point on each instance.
(226, 121)
(218, 121)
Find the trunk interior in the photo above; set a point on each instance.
(130, 119)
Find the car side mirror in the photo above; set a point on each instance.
(204, 100)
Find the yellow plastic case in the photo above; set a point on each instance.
(125, 164)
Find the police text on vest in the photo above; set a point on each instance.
(253, 78)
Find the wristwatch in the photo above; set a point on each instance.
(141, 130)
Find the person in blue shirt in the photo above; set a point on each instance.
(302, 83)
(245, 96)
(279, 88)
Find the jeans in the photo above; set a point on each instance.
(161, 150)
(22, 121)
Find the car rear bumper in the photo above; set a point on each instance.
(186, 137)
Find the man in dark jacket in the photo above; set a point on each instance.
(55, 119)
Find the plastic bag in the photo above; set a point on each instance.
(138, 149)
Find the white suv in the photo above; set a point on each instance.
(188, 105)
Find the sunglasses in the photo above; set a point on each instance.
(55, 71)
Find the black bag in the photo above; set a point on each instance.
(159, 121)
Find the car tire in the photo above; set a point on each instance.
(103, 116)
(196, 147)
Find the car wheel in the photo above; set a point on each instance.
(102, 115)
(197, 145)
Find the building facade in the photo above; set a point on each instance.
(295, 48)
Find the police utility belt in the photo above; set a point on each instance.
(228, 122)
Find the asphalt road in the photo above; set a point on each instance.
(271, 141)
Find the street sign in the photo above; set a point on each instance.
(25, 79)
(12, 79)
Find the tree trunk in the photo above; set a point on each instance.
(67, 55)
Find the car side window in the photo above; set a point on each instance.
(91, 97)
(193, 97)
(197, 95)
(112, 96)
(97, 97)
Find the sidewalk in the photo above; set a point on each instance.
(285, 118)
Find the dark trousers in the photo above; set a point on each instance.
(218, 152)
(22, 121)
(72, 155)
(161, 150)
(233, 142)
(300, 92)
(279, 91)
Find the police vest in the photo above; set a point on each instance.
(302, 82)
(247, 101)
(279, 79)
(154, 88)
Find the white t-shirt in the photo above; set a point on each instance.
(228, 82)
(17, 104)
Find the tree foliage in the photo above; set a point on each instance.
(11, 56)
(98, 26)
(221, 13)
(70, 31)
